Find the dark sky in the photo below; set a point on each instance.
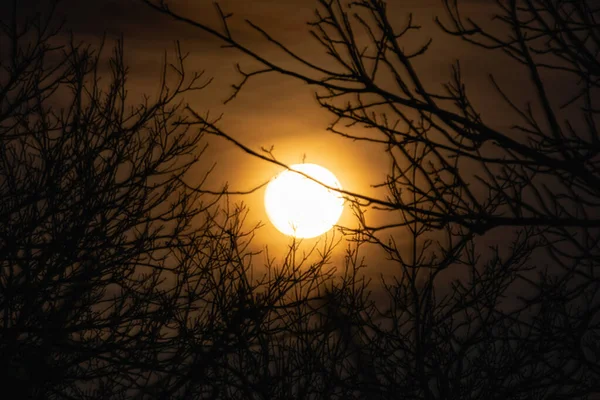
(274, 110)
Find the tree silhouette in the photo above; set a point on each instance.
(463, 319)
(116, 280)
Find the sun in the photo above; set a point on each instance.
(300, 207)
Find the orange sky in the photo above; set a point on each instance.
(273, 110)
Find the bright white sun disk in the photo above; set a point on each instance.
(300, 207)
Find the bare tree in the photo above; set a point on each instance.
(518, 320)
(92, 213)
(117, 280)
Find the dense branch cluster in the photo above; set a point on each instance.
(121, 279)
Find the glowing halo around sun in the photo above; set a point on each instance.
(300, 207)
